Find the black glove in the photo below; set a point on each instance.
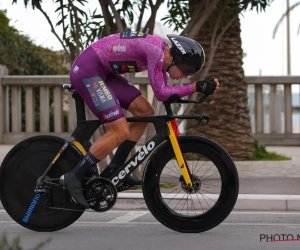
(207, 86)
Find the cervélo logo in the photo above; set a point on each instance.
(142, 153)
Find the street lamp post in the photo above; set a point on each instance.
(288, 38)
(288, 124)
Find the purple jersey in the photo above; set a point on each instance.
(135, 52)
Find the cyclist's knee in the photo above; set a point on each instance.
(149, 111)
(141, 107)
(118, 130)
(146, 111)
(122, 135)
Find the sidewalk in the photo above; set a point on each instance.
(264, 185)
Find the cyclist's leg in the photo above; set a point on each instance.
(139, 107)
(130, 98)
(117, 131)
(89, 82)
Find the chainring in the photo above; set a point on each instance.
(101, 193)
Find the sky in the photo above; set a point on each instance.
(264, 55)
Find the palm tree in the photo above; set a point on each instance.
(230, 121)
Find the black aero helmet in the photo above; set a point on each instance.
(188, 55)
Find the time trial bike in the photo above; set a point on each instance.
(190, 183)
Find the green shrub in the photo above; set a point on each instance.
(22, 57)
(261, 154)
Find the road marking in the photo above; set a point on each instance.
(95, 223)
(266, 212)
(257, 224)
(105, 225)
(130, 224)
(127, 217)
(233, 212)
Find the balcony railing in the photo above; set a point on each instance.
(274, 104)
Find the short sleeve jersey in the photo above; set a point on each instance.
(131, 52)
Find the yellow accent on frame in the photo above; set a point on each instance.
(79, 146)
(56, 157)
(179, 156)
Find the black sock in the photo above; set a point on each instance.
(121, 154)
(85, 165)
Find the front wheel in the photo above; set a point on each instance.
(208, 202)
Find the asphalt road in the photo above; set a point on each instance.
(137, 230)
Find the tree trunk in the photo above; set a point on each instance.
(228, 109)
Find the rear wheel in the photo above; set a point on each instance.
(21, 168)
(214, 192)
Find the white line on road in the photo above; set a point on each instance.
(102, 223)
(257, 224)
(95, 223)
(88, 223)
(127, 217)
(233, 212)
(266, 212)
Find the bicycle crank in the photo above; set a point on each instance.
(101, 193)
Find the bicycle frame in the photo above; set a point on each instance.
(166, 129)
(50, 207)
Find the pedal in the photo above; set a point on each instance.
(123, 187)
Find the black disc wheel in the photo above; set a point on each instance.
(213, 193)
(21, 168)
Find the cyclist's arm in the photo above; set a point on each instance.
(159, 79)
(166, 79)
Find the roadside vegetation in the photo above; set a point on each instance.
(261, 154)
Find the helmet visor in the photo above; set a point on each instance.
(187, 69)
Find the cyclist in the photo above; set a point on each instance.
(95, 75)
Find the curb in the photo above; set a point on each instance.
(246, 202)
(249, 202)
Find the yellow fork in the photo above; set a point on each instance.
(178, 154)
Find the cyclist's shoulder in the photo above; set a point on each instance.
(133, 37)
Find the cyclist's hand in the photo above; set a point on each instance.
(207, 86)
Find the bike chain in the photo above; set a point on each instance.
(75, 210)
